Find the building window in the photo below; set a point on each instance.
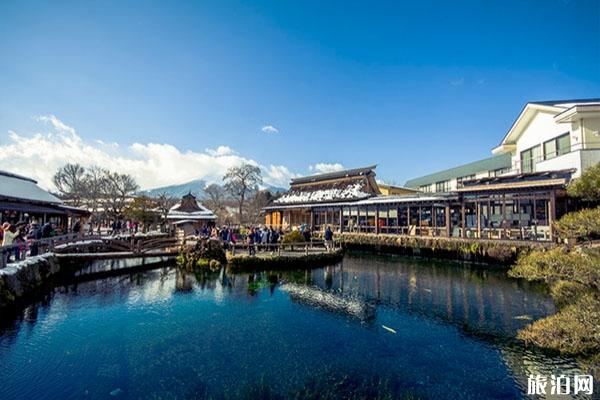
(498, 172)
(557, 146)
(461, 179)
(425, 188)
(443, 186)
(529, 158)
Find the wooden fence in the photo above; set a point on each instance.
(130, 244)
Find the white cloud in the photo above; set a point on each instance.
(220, 151)
(56, 123)
(277, 175)
(269, 129)
(39, 155)
(457, 82)
(322, 168)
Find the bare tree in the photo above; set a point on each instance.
(258, 200)
(165, 202)
(116, 190)
(93, 190)
(70, 182)
(239, 181)
(214, 197)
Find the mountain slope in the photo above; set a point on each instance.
(196, 187)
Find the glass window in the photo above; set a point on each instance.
(549, 149)
(563, 144)
(443, 186)
(462, 179)
(425, 188)
(529, 158)
(557, 146)
(499, 171)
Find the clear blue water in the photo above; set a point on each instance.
(368, 326)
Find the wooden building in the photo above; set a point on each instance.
(22, 200)
(295, 207)
(506, 207)
(190, 216)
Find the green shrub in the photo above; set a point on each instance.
(559, 264)
(214, 265)
(201, 255)
(587, 186)
(575, 330)
(293, 237)
(579, 225)
(565, 292)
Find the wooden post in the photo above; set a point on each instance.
(341, 219)
(463, 219)
(377, 219)
(552, 213)
(478, 213)
(448, 220)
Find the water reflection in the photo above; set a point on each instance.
(171, 333)
(481, 301)
(331, 301)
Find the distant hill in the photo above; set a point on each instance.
(196, 187)
(274, 189)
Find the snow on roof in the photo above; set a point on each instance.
(14, 186)
(353, 191)
(199, 212)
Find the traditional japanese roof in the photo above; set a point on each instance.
(17, 187)
(501, 161)
(347, 185)
(519, 181)
(347, 173)
(189, 208)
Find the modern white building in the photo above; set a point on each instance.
(554, 135)
(546, 136)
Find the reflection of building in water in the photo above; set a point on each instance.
(481, 301)
(330, 301)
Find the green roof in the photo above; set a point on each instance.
(488, 164)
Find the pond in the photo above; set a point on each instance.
(371, 325)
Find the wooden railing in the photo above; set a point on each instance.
(279, 247)
(132, 244)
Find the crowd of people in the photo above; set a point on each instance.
(260, 238)
(17, 239)
(23, 238)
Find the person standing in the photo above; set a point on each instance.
(8, 240)
(251, 249)
(328, 238)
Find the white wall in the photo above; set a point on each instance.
(541, 129)
(566, 161)
(591, 132)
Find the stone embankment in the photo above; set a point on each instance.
(26, 278)
(503, 252)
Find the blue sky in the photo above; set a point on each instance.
(411, 86)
